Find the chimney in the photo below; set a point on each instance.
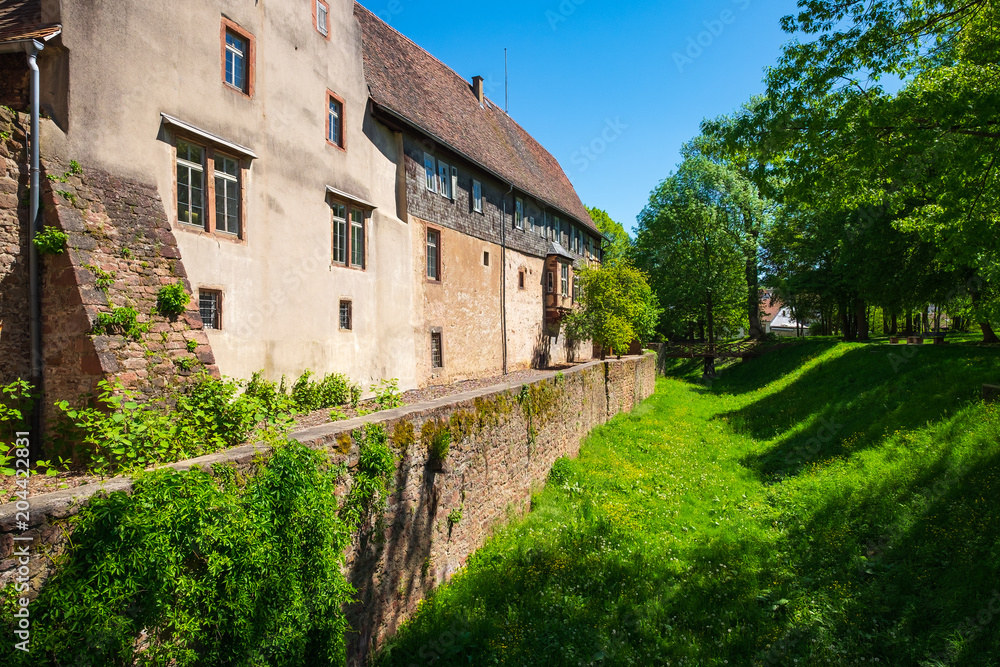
(477, 89)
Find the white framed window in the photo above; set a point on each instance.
(477, 196)
(227, 194)
(444, 179)
(433, 254)
(557, 227)
(190, 183)
(357, 238)
(430, 172)
(334, 120)
(323, 18)
(564, 282)
(339, 234)
(519, 213)
(576, 288)
(236, 69)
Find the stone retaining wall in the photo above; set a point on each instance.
(505, 439)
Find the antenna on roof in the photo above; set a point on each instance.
(506, 87)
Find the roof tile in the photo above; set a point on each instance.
(411, 83)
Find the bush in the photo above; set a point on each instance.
(387, 394)
(51, 241)
(172, 300)
(123, 321)
(209, 571)
(333, 391)
(119, 435)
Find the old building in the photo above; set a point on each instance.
(333, 196)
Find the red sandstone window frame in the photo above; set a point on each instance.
(349, 235)
(219, 297)
(342, 125)
(250, 57)
(438, 363)
(209, 227)
(325, 30)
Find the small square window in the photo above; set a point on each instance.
(477, 196)
(486, 259)
(346, 316)
(210, 306)
(437, 350)
(322, 17)
(334, 120)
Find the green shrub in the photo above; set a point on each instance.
(333, 391)
(209, 571)
(51, 241)
(172, 300)
(123, 320)
(561, 471)
(440, 445)
(191, 346)
(387, 394)
(102, 279)
(116, 433)
(372, 477)
(16, 403)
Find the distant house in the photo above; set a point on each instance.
(777, 318)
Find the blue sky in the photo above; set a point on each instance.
(612, 89)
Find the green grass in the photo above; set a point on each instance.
(827, 503)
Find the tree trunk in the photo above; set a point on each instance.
(909, 323)
(845, 322)
(753, 301)
(861, 313)
(989, 336)
(895, 324)
(710, 359)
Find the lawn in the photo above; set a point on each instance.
(827, 504)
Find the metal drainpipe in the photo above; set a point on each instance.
(503, 277)
(34, 280)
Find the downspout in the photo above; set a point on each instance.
(32, 48)
(503, 277)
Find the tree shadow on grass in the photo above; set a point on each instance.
(893, 571)
(851, 403)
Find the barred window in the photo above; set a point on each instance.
(210, 305)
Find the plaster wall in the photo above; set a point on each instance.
(119, 64)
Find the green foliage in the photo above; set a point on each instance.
(387, 394)
(51, 241)
(191, 346)
(118, 434)
(436, 437)
(123, 321)
(617, 306)
(333, 391)
(102, 279)
(172, 300)
(775, 508)
(372, 478)
(17, 400)
(186, 363)
(75, 169)
(195, 570)
(68, 196)
(455, 517)
(620, 245)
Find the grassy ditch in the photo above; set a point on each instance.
(828, 504)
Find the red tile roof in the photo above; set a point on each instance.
(22, 19)
(429, 95)
(770, 307)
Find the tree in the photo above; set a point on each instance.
(692, 239)
(621, 243)
(927, 153)
(615, 307)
